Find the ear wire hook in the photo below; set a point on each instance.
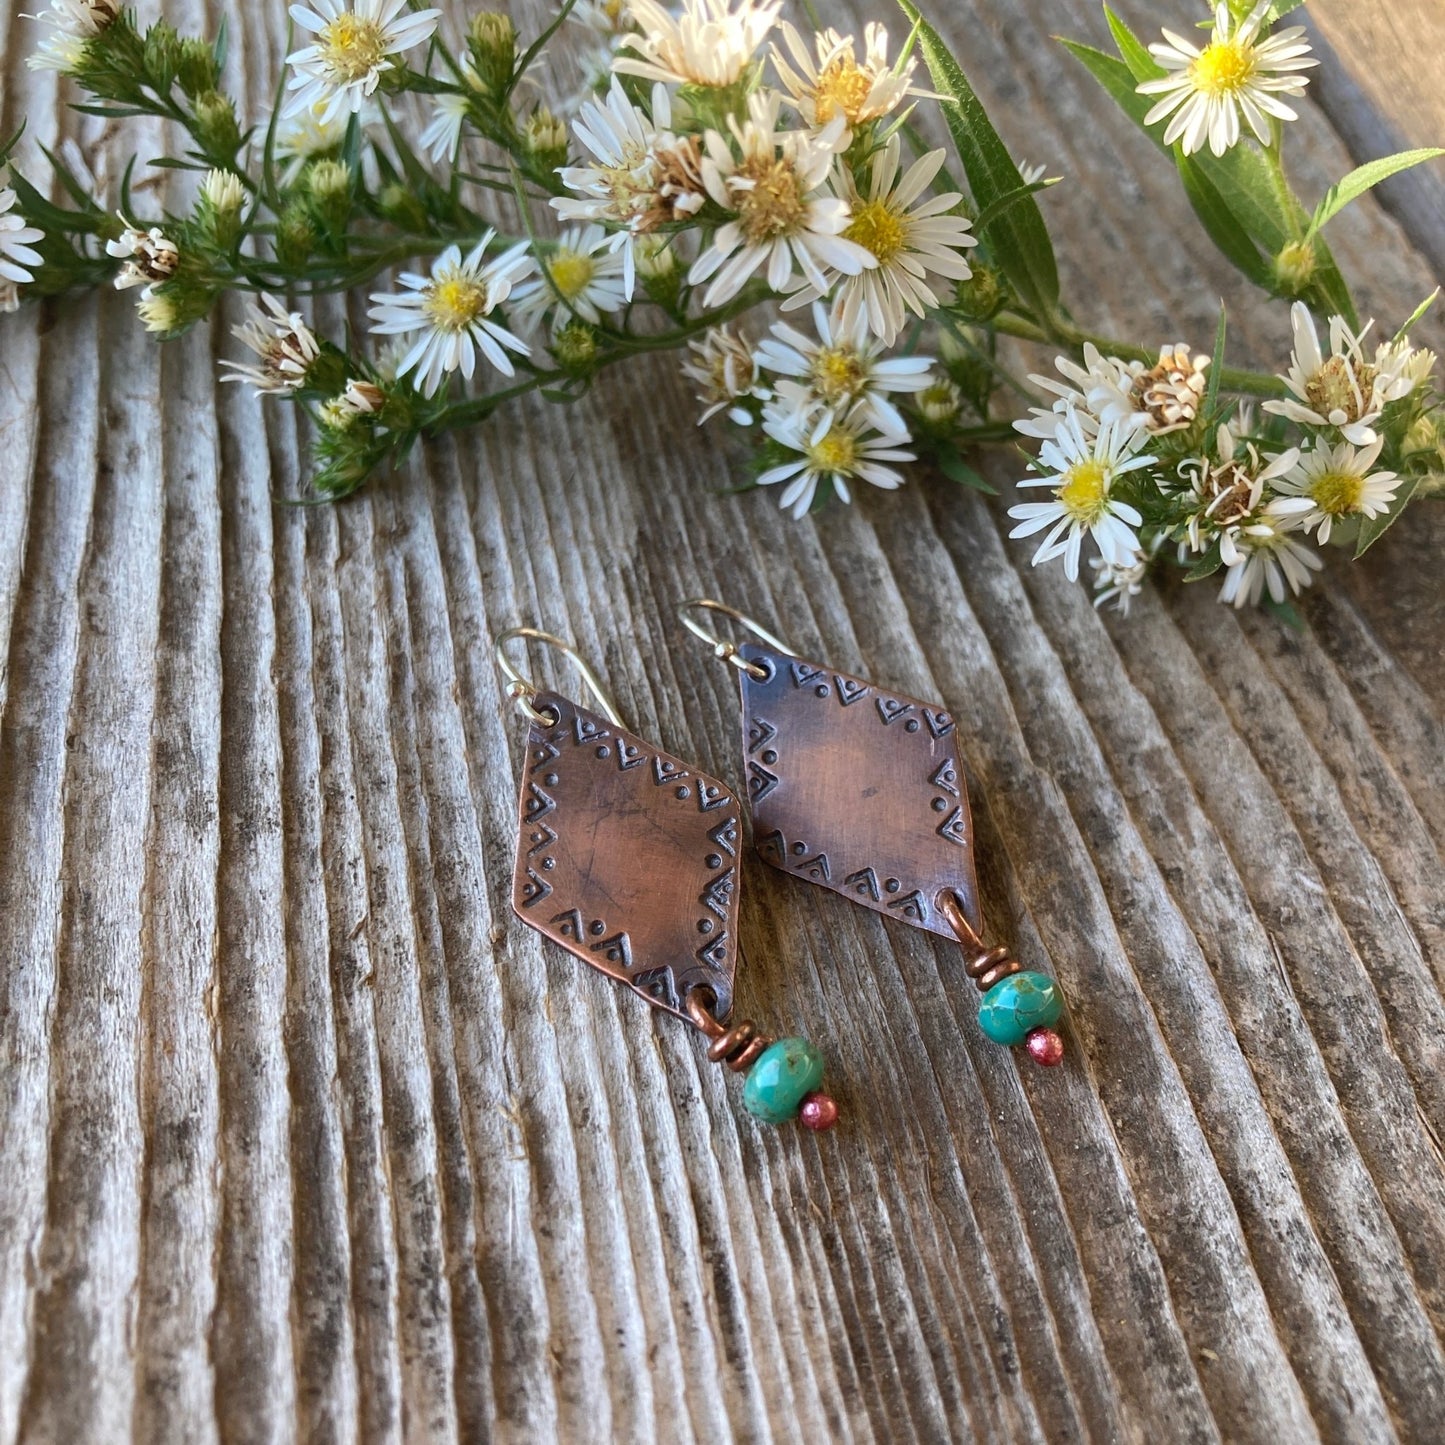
(728, 651)
(522, 690)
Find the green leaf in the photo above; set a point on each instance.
(953, 466)
(1207, 565)
(1216, 367)
(1005, 203)
(1417, 316)
(1286, 612)
(1018, 237)
(222, 44)
(1373, 528)
(1133, 52)
(1234, 195)
(1220, 224)
(1362, 178)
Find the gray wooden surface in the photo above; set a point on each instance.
(303, 1137)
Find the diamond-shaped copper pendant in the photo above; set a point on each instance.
(628, 858)
(858, 789)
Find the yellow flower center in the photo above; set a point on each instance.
(1224, 68)
(837, 372)
(1086, 490)
(837, 452)
(879, 230)
(353, 46)
(774, 204)
(1338, 493)
(570, 272)
(1332, 387)
(842, 86)
(454, 301)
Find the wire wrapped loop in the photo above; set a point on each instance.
(985, 966)
(737, 1046)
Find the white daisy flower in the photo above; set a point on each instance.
(608, 18)
(1343, 389)
(642, 176)
(780, 215)
(452, 309)
(343, 65)
(1237, 75)
(710, 42)
(726, 371)
(1099, 391)
(72, 23)
(833, 448)
(282, 340)
(835, 82)
(304, 135)
(17, 244)
(1119, 582)
(150, 257)
(441, 138)
(582, 278)
(1227, 489)
(1082, 470)
(1329, 483)
(1268, 558)
(905, 241)
(844, 364)
(1400, 368)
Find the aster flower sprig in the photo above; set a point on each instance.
(716, 161)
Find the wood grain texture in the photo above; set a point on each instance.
(304, 1137)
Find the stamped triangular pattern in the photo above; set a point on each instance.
(876, 791)
(626, 857)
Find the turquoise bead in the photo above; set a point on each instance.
(1016, 1005)
(780, 1078)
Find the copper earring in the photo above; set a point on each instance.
(862, 790)
(628, 858)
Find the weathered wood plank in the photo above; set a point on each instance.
(303, 1137)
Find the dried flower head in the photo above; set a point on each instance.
(150, 256)
(831, 80)
(1169, 393)
(1226, 489)
(710, 42)
(285, 345)
(725, 372)
(1344, 389)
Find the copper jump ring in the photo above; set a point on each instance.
(737, 1046)
(985, 966)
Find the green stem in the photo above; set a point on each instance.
(1234, 378)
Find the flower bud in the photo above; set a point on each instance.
(940, 404)
(330, 185)
(1294, 267)
(216, 126)
(494, 49)
(545, 137)
(162, 56)
(295, 236)
(196, 67)
(979, 297)
(575, 347)
(399, 204)
(219, 207)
